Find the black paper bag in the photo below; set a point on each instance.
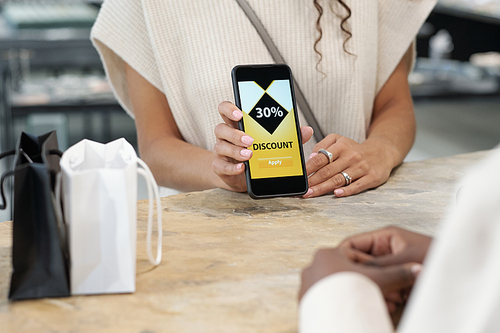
(39, 251)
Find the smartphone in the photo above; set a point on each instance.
(264, 93)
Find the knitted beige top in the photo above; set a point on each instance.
(187, 50)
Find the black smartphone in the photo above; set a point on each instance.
(264, 93)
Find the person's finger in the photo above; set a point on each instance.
(327, 142)
(224, 168)
(332, 180)
(230, 113)
(397, 277)
(388, 260)
(394, 296)
(386, 241)
(357, 256)
(366, 241)
(318, 161)
(338, 179)
(306, 132)
(234, 136)
(225, 149)
(391, 306)
(356, 187)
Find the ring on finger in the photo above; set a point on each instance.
(348, 179)
(327, 154)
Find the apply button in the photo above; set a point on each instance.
(275, 162)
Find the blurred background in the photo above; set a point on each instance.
(52, 78)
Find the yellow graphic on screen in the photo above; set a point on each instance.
(269, 118)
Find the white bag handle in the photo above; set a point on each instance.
(152, 187)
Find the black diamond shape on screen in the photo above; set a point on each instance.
(268, 113)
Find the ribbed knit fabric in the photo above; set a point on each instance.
(188, 48)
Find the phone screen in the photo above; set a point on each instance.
(264, 93)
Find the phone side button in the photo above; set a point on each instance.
(275, 162)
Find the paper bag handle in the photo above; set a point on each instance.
(152, 187)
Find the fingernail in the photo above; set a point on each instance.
(312, 155)
(338, 192)
(309, 192)
(416, 269)
(245, 152)
(239, 166)
(248, 140)
(237, 114)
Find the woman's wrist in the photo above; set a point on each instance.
(386, 149)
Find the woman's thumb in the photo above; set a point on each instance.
(397, 277)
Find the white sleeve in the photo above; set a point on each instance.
(399, 23)
(120, 34)
(344, 302)
(459, 289)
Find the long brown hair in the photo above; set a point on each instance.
(344, 26)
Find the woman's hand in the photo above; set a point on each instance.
(390, 246)
(391, 279)
(231, 148)
(368, 165)
(391, 257)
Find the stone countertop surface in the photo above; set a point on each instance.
(231, 263)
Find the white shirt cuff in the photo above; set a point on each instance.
(344, 302)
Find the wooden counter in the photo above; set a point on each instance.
(232, 264)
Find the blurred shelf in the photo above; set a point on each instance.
(467, 13)
(59, 44)
(445, 77)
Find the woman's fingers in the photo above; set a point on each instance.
(320, 161)
(329, 172)
(236, 137)
(354, 188)
(353, 168)
(225, 150)
(397, 277)
(225, 168)
(230, 113)
(325, 187)
(231, 148)
(328, 141)
(306, 133)
(228, 131)
(330, 178)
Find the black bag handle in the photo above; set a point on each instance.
(4, 202)
(5, 175)
(10, 173)
(7, 153)
(56, 152)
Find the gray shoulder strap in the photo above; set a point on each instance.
(275, 54)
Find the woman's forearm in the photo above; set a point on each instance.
(180, 165)
(174, 162)
(393, 123)
(395, 130)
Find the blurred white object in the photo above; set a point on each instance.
(432, 77)
(489, 60)
(440, 45)
(99, 189)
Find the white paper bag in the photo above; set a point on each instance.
(99, 190)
